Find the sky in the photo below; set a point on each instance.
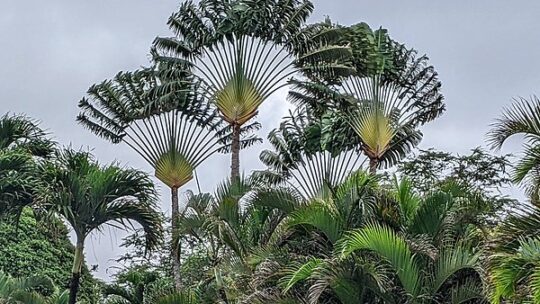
(485, 51)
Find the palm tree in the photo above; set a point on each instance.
(423, 280)
(306, 157)
(21, 132)
(419, 239)
(244, 51)
(130, 287)
(515, 275)
(232, 225)
(392, 92)
(89, 197)
(157, 112)
(21, 141)
(522, 118)
(317, 227)
(513, 264)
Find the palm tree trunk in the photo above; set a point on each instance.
(221, 288)
(76, 272)
(175, 245)
(373, 163)
(235, 153)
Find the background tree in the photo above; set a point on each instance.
(244, 51)
(479, 174)
(89, 196)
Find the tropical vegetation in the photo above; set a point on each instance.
(345, 207)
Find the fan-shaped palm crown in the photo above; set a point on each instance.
(158, 112)
(307, 156)
(164, 123)
(391, 93)
(246, 50)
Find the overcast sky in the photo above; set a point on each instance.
(486, 53)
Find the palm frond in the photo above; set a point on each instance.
(390, 246)
(22, 132)
(88, 196)
(298, 272)
(467, 292)
(247, 50)
(521, 118)
(451, 261)
(321, 216)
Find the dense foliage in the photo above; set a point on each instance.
(346, 210)
(33, 247)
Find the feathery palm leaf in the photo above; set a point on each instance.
(17, 181)
(515, 275)
(389, 246)
(21, 132)
(523, 117)
(88, 195)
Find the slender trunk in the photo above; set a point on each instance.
(223, 295)
(76, 272)
(221, 289)
(175, 245)
(235, 153)
(373, 164)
